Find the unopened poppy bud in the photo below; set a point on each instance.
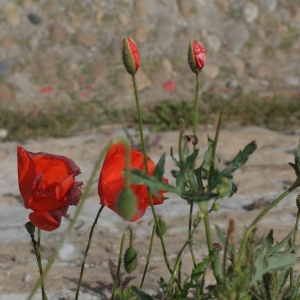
(162, 226)
(130, 55)
(130, 260)
(200, 215)
(126, 205)
(217, 247)
(30, 228)
(298, 201)
(216, 206)
(196, 56)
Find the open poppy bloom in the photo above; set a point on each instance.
(47, 186)
(111, 181)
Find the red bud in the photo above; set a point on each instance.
(196, 56)
(131, 55)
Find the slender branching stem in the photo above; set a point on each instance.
(87, 250)
(146, 169)
(120, 260)
(148, 256)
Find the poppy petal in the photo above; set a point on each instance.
(43, 220)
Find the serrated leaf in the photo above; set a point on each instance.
(200, 268)
(269, 258)
(155, 185)
(141, 294)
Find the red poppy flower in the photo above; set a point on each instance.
(47, 186)
(111, 181)
(196, 56)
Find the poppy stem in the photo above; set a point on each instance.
(148, 256)
(146, 169)
(37, 251)
(116, 282)
(87, 250)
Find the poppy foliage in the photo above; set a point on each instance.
(111, 181)
(47, 186)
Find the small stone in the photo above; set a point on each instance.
(27, 278)
(6, 92)
(261, 33)
(58, 33)
(141, 34)
(141, 9)
(6, 42)
(50, 6)
(100, 14)
(142, 79)
(33, 43)
(292, 80)
(263, 71)
(237, 35)
(74, 86)
(47, 66)
(100, 71)
(167, 68)
(123, 19)
(3, 133)
(184, 7)
(232, 83)
(280, 56)
(11, 14)
(271, 4)
(86, 38)
(211, 71)
(222, 5)
(68, 252)
(34, 19)
(214, 43)
(25, 3)
(75, 21)
(165, 32)
(238, 65)
(6, 66)
(250, 12)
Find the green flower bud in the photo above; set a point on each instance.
(216, 206)
(30, 228)
(130, 55)
(130, 260)
(126, 204)
(162, 226)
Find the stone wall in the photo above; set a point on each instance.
(64, 50)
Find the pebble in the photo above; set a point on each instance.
(222, 5)
(86, 38)
(236, 35)
(27, 278)
(6, 92)
(99, 16)
(49, 6)
(58, 33)
(33, 43)
(214, 43)
(141, 34)
(75, 21)
(211, 71)
(184, 8)
(3, 133)
(250, 12)
(238, 65)
(11, 14)
(6, 42)
(26, 3)
(165, 32)
(123, 19)
(271, 5)
(167, 68)
(100, 70)
(34, 19)
(141, 8)
(143, 81)
(6, 66)
(263, 71)
(232, 83)
(47, 66)
(68, 252)
(292, 80)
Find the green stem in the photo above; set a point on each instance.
(148, 256)
(213, 155)
(259, 217)
(196, 107)
(181, 132)
(294, 242)
(190, 234)
(87, 250)
(37, 251)
(146, 169)
(210, 247)
(120, 260)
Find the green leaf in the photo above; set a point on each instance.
(296, 165)
(141, 294)
(192, 197)
(200, 268)
(160, 167)
(269, 258)
(175, 161)
(155, 185)
(204, 169)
